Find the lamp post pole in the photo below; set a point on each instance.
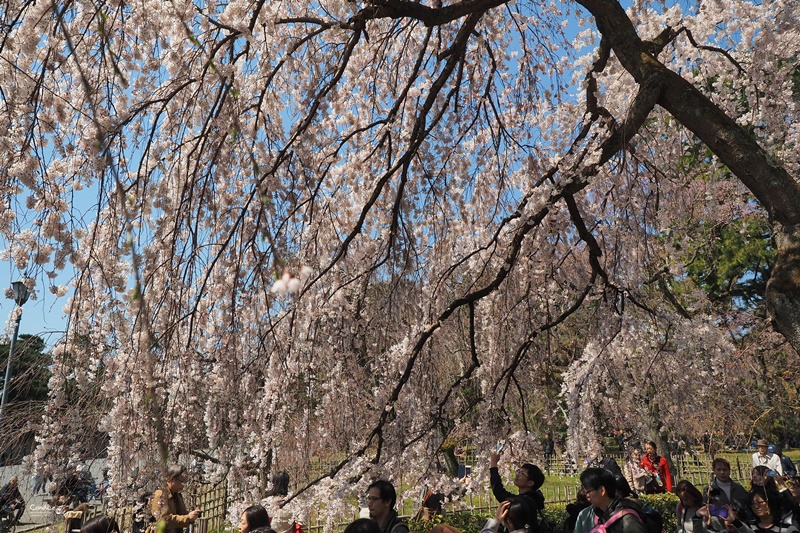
(20, 297)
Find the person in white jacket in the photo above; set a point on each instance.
(763, 457)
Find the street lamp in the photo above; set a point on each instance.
(20, 297)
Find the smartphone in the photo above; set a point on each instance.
(718, 510)
(772, 473)
(500, 446)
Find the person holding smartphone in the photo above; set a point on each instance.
(528, 480)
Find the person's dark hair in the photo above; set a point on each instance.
(434, 501)
(772, 497)
(761, 469)
(594, 478)
(691, 491)
(280, 485)
(256, 517)
(535, 474)
(521, 513)
(100, 524)
(363, 525)
(623, 487)
(175, 471)
(721, 461)
(386, 490)
(653, 444)
(767, 481)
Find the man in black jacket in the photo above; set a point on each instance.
(723, 489)
(528, 479)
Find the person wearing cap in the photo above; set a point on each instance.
(765, 458)
(528, 479)
(168, 506)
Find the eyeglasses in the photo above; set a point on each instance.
(370, 499)
(758, 503)
(521, 472)
(588, 490)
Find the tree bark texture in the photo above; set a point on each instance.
(765, 177)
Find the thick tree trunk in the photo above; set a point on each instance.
(783, 287)
(766, 178)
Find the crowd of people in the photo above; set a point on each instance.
(607, 502)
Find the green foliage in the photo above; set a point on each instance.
(664, 504)
(555, 514)
(465, 521)
(731, 261)
(30, 369)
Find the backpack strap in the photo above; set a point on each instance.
(601, 528)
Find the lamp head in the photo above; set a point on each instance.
(21, 292)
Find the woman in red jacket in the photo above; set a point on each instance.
(659, 479)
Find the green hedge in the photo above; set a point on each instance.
(664, 504)
(554, 513)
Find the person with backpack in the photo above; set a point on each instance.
(612, 514)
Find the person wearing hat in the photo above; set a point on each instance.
(765, 458)
(528, 479)
(167, 505)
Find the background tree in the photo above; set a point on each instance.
(27, 395)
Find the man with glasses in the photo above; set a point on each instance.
(528, 480)
(168, 505)
(381, 498)
(611, 513)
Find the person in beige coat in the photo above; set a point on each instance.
(168, 506)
